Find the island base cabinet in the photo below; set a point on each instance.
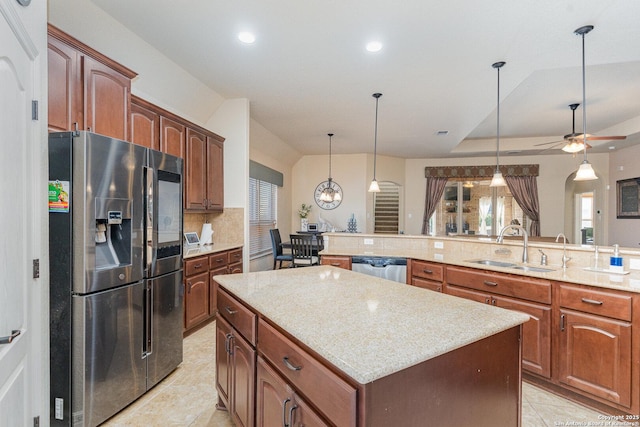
(278, 405)
(595, 356)
(235, 374)
(477, 385)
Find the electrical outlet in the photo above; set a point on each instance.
(438, 257)
(438, 245)
(368, 241)
(634, 263)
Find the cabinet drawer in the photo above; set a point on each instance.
(528, 288)
(235, 256)
(218, 260)
(195, 266)
(427, 270)
(239, 316)
(587, 300)
(337, 261)
(335, 398)
(427, 284)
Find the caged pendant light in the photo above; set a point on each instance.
(331, 192)
(585, 171)
(374, 187)
(498, 179)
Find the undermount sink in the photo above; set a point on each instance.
(493, 263)
(531, 268)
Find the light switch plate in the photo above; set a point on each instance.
(368, 241)
(634, 263)
(438, 257)
(438, 245)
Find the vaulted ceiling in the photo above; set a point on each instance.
(308, 72)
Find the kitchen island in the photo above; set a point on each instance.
(328, 346)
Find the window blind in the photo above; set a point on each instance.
(263, 201)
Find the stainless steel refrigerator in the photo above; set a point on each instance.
(115, 242)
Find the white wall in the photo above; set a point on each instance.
(623, 164)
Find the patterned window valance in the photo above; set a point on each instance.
(479, 171)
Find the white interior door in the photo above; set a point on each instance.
(23, 371)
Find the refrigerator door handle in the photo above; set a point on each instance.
(150, 226)
(148, 320)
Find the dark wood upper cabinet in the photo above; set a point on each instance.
(145, 125)
(172, 137)
(196, 171)
(87, 90)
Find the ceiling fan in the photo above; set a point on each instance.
(574, 142)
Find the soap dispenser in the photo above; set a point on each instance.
(615, 262)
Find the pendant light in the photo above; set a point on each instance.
(374, 187)
(498, 179)
(585, 171)
(331, 192)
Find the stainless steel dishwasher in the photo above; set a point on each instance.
(391, 268)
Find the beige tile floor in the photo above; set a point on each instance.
(187, 397)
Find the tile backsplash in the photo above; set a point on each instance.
(228, 226)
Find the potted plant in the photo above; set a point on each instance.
(304, 213)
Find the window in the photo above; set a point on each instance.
(483, 211)
(386, 208)
(263, 202)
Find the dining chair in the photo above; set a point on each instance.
(302, 249)
(276, 246)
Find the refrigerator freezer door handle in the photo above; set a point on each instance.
(150, 226)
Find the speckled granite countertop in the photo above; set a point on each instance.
(195, 251)
(461, 252)
(365, 326)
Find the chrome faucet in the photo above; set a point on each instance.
(565, 258)
(525, 236)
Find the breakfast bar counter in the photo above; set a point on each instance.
(407, 353)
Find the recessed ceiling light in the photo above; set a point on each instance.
(374, 46)
(246, 37)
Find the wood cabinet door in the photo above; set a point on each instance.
(65, 89)
(536, 334)
(301, 414)
(196, 299)
(277, 404)
(223, 367)
(107, 100)
(172, 137)
(243, 375)
(468, 294)
(145, 127)
(195, 197)
(215, 175)
(427, 284)
(271, 396)
(595, 356)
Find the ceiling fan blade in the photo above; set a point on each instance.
(548, 143)
(604, 138)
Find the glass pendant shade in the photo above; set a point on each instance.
(585, 172)
(497, 180)
(374, 187)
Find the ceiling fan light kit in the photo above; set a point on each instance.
(498, 179)
(374, 187)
